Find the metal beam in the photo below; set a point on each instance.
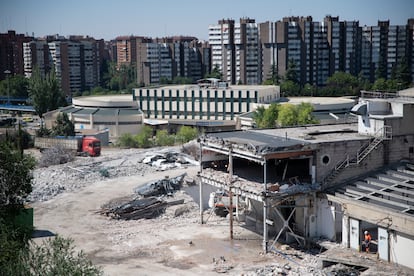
(285, 226)
(364, 186)
(288, 154)
(383, 200)
(383, 184)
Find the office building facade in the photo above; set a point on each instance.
(192, 102)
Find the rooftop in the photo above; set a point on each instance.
(392, 189)
(269, 143)
(232, 87)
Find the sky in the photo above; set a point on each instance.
(159, 18)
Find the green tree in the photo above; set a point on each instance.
(284, 115)
(18, 86)
(273, 78)
(164, 139)
(287, 116)
(342, 84)
(304, 114)
(403, 74)
(45, 92)
(380, 85)
(289, 88)
(266, 117)
(270, 116)
(381, 70)
(186, 133)
(127, 140)
(144, 138)
(57, 256)
(14, 240)
(215, 73)
(63, 126)
(291, 74)
(15, 174)
(258, 116)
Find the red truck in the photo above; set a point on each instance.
(83, 145)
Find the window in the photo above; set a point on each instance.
(325, 159)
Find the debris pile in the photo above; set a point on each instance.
(165, 186)
(60, 171)
(168, 160)
(149, 202)
(55, 156)
(139, 208)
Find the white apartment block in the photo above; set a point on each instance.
(34, 54)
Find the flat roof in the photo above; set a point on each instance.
(321, 103)
(255, 139)
(265, 142)
(196, 87)
(318, 133)
(105, 101)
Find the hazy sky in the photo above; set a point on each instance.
(157, 18)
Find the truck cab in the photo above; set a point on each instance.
(91, 146)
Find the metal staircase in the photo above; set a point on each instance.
(385, 133)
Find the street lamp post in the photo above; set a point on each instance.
(7, 72)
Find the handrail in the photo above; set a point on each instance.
(384, 133)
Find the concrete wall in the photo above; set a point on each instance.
(386, 153)
(325, 219)
(401, 249)
(329, 154)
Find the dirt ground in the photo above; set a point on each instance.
(167, 245)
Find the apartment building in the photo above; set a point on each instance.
(11, 53)
(317, 49)
(162, 59)
(36, 53)
(235, 50)
(76, 61)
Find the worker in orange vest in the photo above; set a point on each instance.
(367, 241)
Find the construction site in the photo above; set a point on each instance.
(286, 201)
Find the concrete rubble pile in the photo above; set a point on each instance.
(150, 200)
(55, 179)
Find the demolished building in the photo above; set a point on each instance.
(332, 181)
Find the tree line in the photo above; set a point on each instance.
(342, 83)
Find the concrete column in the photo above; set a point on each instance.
(265, 208)
(201, 185)
(230, 168)
(345, 230)
(91, 120)
(117, 122)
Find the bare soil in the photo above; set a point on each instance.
(169, 244)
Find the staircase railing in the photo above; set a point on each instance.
(385, 133)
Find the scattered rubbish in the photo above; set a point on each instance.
(168, 160)
(220, 265)
(104, 172)
(165, 186)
